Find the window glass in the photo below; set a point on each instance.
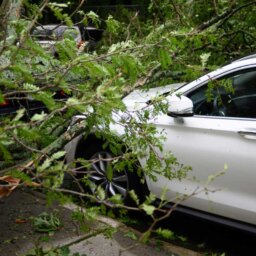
(231, 96)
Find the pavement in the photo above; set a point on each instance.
(18, 236)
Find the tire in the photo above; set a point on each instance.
(97, 174)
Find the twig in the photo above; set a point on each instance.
(235, 11)
(215, 7)
(224, 17)
(177, 12)
(24, 145)
(129, 26)
(77, 8)
(92, 197)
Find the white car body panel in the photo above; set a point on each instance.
(208, 144)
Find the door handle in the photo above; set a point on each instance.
(248, 134)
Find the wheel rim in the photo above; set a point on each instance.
(97, 175)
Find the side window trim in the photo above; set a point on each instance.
(220, 75)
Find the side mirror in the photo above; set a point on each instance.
(179, 106)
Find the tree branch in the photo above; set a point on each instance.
(224, 17)
(24, 145)
(235, 11)
(177, 12)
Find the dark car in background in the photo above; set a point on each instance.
(84, 36)
(48, 35)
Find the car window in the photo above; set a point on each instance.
(43, 34)
(70, 33)
(55, 33)
(230, 96)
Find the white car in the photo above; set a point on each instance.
(207, 128)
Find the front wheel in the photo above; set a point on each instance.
(102, 175)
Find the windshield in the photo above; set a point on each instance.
(53, 33)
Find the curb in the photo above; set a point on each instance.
(169, 248)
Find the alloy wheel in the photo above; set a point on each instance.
(98, 176)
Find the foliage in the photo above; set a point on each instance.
(59, 251)
(185, 31)
(46, 222)
(90, 81)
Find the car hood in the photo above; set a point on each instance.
(138, 98)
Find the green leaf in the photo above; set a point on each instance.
(46, 98)
(21, 175)
(58, 155)
(116, 199)
(134, 197)
(92, 17)
(1, 97)
(182, 238)
(91, 213)
(113, 149)
(46, 222)
(164, 58)
(72, 101)
(131, 235)
(22, 70)
(100, 193)
(204, 58)
(165, 233)
(30, 87)
(76, 104)
(47, 163)
(113, 25)
(19, 114)
(150, 198)
(59, 5)
(109, 172)
(149, 209)
(128, 64)
(163, 194)
(5, 154)
(145, 237)
(38, 117)
(211, 178)
(29, 134)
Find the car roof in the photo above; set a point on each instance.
(55, 26)
(251, 56)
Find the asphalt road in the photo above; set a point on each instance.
(201, 236)
(18, 235)
(206, 237)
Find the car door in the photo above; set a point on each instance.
(219, 138)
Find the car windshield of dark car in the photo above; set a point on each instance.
(53, 34)
(43, 34)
